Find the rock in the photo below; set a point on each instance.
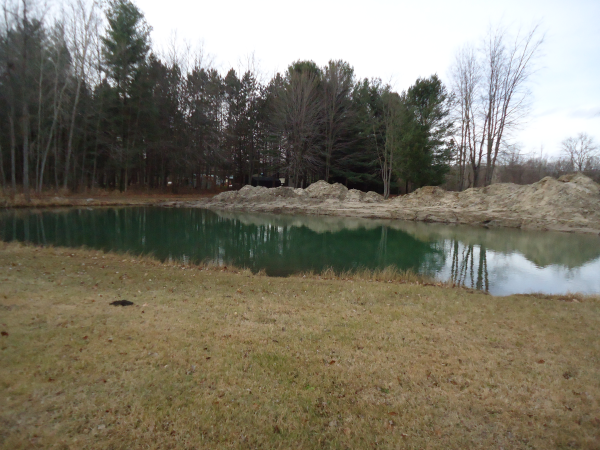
(121, 303)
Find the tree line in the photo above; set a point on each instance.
(85, 102)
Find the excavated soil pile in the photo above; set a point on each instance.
(316, 194)
(571, 203)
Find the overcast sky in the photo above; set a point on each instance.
(399, 41)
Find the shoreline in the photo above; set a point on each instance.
(569, 204)
(98, 199)
(496, 219)
(487, 219)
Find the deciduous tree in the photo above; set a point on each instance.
(581, 151)
(491, 88)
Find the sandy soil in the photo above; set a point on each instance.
(571, 204)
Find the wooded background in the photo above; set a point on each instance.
(86, 103)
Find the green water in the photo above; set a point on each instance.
(502, 261)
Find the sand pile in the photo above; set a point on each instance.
(314, 194)
(574, 194)
(571, 203)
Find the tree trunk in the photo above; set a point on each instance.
(2, 176)
(71, 132)
(39, 124)
(57, 103)
(80, 74)
(84, 144)
(93, 182)
(56, 185)
(13, 146)
(25, 129)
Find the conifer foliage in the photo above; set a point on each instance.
(85, 102)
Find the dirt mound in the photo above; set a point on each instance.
(571, 203)
(315, 193)
(575, 193)
(259, 194)
(322, 190)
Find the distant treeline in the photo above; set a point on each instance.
(86, 103)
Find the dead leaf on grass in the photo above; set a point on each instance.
(541, 361)
(4, 333)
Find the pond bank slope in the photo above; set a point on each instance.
(571, 203)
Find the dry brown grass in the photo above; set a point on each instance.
(210, 359)
(387, 274)
(100, 197)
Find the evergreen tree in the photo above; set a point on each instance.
(357, 164)
(125, 50)
(425, 149)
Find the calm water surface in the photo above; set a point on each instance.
(502, 261)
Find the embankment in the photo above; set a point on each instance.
(570, 203)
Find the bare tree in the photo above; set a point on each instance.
(509, 67)
(466, 79)
(61, 82)
(298, 116)
(492, 93)
(83, 26)
(385, 153)
(25, 23)
(7, 70)
(581, 151)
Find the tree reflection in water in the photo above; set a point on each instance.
(279, 245)
(496, 260)
(466, 260)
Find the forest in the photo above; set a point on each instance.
(86, 103)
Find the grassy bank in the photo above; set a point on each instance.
(215, 359)
(99, 197)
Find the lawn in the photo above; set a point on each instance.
(211, 358)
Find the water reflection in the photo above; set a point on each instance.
(499, 260)
(469, 265)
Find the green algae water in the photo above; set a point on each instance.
(501, 261)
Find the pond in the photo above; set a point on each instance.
(501, 261)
